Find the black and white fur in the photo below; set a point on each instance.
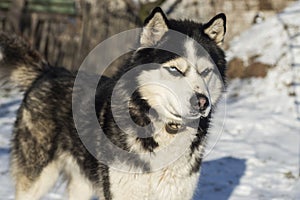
(179, 91)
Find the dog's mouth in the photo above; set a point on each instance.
(181, 122)
(174, 127)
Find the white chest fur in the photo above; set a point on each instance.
(171, 183)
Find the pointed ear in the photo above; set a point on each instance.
(216, 28)
(155, 26)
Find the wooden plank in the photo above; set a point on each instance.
(63, 4)
(5, 5)
(50, 1)
(53, 9)
(67, 7)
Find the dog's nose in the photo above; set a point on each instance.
(199, 102)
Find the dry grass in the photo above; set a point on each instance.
(238, 69)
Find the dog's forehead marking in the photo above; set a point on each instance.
(197, 56)
(190, 51)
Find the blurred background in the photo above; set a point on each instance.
(254, 145)
(65, 31)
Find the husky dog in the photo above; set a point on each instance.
(174, 96)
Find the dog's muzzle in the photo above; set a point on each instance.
(199, 103)
(199, 108)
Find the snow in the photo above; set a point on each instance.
(260, 35)
(8, 107)
(253, 150)
(257, 155)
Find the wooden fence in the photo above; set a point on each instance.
(65, 31)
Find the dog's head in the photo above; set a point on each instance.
(182, 76)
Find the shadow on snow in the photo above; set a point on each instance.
(219, 178)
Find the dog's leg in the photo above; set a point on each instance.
(34, 190)
(79, 187)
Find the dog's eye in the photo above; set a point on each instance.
(205, 72)
(174, 71)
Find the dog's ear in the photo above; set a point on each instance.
(216, 28)
(155, 26)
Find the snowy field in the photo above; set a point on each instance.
(253, 151)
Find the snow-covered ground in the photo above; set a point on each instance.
(255, 153)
